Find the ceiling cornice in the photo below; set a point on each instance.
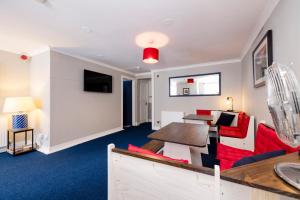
(207, 64)
(143, 74)
(267, 12)
(38, 51)
(93, 61)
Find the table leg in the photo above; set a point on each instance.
(25, 137)
(32, 138)
(14, 143)
(7, 139)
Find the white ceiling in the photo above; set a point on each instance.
(199, 30)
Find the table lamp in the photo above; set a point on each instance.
(229, 101)
(18, 106)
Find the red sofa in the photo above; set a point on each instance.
(237, 132)
(266, 141)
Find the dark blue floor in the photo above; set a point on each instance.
(79, 172)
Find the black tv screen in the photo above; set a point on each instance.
(97, 82)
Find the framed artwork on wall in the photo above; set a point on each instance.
(186, 91)
(262, 58)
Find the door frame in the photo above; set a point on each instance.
(148, 99)
(134, 123)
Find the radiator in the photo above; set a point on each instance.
(168, 117)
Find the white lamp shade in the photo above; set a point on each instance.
(18, 104)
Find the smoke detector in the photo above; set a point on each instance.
(41, 1)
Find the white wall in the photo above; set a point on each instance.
(284, 22)
(230, 86)
(14, 81)
(65, 112)
(40, 91)
(77, 114)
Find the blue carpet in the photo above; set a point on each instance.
(79, 172)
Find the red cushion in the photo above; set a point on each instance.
(229, 131)
(237, 132)
(267, 140)
(244, 126)
(204, 112)
(240, 119)
(229, 155)
(135, 149)
(226, 164)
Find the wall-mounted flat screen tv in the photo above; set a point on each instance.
(97, 82)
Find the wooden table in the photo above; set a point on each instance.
(261, 175)
(178, 137)
(200, 118)
(182, 133)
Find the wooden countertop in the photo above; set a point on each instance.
(182, 133)
(261, 175)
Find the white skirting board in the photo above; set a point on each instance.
(75, 142)
(132, 178)
(2, 149)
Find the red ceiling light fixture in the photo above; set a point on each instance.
(150, 55)
(151, 42)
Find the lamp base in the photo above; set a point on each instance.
(19, 121)
(289, 172)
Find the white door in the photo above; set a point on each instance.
(144, 100)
